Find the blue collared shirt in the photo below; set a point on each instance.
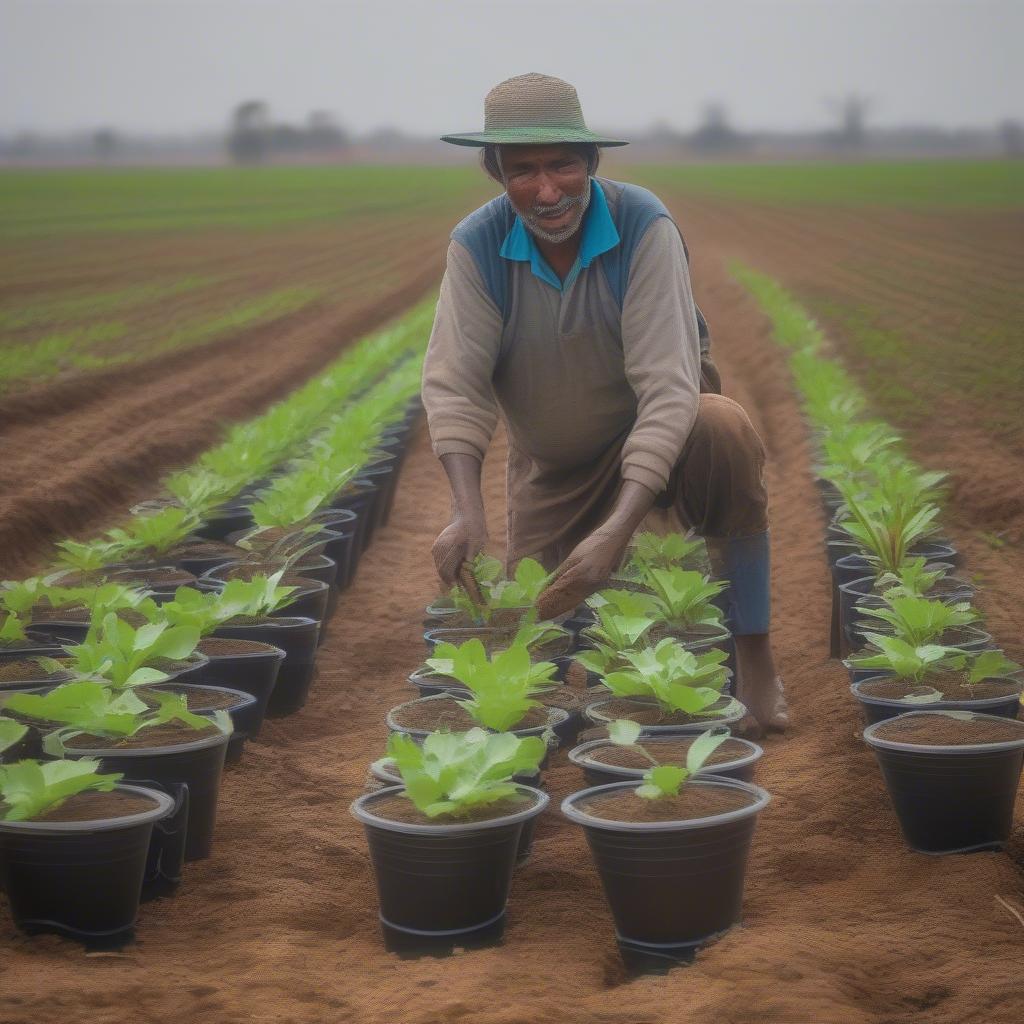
(599, 235)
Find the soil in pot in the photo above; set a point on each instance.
(78, 869)
(28, 670)
(650, 714)
(952, 777)
(164, 576)
(951, 685)
(667, 751)
(168, 734)
(397, 808)
(691, 803)
(431, 714)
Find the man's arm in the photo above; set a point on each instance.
(661, 350)
(459, 401)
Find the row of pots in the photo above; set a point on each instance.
(85, 879)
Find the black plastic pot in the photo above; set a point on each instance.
(672, 886)
(254, 673)
(360, 497)
(166, 858)
(61, 630)
(297, 637)
(878, 709)
(598, 774)
(595, 716)
(82, 879)
(197, 764)
(226, 520)
(445, 884)
(244, 713)
(951, 799)
(384, 476)
(345, 524)
(967, 638)
(390, 776)
(42, 645)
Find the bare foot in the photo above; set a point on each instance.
(759, 686)
(769, 707)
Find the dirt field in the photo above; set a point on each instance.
(843, 925)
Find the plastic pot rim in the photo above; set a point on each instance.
(580, 817)
(358, 811)
(430, 636)
(947, 705)
(271, 652)
(177, 748)
(246, 699)
(577, 756)
(556, 716)
(279, 622)
(879, 743)
(164, 804)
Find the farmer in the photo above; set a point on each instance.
(566, 305)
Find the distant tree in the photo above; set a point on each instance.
(715, 134)
(1012, 135)
(852, 111)
(248, 139)
(324, 133)
(104, 143)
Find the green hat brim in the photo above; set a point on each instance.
(530, 136)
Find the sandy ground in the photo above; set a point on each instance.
(842, 923)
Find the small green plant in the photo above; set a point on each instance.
(193, 608)
(500, 686)
(613, 635)
(665, 780)
(118, 652)
(152, 536)
(527, 583)
(893, 656)
(886, 531)
(89, 707)
(12, 630)
(88, 556)
(28, 788)
(259, 597)
(454, 773)
(683, 597)
(676, 678)
(11, 732)
(918, 621)
(653, 551)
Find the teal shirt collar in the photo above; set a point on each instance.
(599, 235)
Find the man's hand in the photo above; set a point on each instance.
(461, 541)
(586, 569)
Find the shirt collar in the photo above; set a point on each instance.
(599, 235)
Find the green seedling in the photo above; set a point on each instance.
(652, 551)
(453, 773)
(118, 652)
(89, 707)
(911, 579)
(28, 788)
(153, 535)
(88, 556)
(193, 608)
(665, 780)
(675, 677)
(918, 621)
(12, 630)
(521, 591)
(683, 597)
(613, 634)
(887, 532)
(259, 597)
(500, 686)
(11, 732)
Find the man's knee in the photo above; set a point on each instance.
(721, 490)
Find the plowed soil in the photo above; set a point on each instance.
(842, 923)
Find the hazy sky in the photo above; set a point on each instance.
(178, 65)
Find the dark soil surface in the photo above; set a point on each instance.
(651, 714)
(952, 686)
(199, 698)
(671, 751)
(397, 808)
(434, 714)
(941, 730)
(29, 670)
(224, 647)
(167, 735)
(692, 802)
(94, 806)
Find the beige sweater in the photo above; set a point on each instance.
(589, 395)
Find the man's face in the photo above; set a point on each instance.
(548, 186)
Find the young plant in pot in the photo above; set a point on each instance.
(444, 844)
(893, 676)
(257, 610)
(165, 743)
(671, 850)
(73, 847)
(17, 643)
(650, 551)
(490, 600)
(919, 621)
(502, 691)
(610, 637)
(15, 740)
(239, 675)
(619, 758)
(69, 613)
(668, 689)
(952, 777)
(682, 602)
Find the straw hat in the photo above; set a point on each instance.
(532, 109)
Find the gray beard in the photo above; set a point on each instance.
(579, 204)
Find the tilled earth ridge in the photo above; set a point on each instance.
(842, 924)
